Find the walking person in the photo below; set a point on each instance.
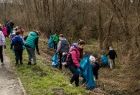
(2, 44)
(62, 49)
(31, 44)
(112, 55)
(17, 46)
(74, 61)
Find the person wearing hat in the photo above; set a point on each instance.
(2, 44)
(31, 44)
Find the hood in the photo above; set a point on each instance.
(33, 34)
(73, 48)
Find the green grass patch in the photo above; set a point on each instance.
(42, 79)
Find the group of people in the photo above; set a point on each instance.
(19, 42)
(80, 63)
(73, 57)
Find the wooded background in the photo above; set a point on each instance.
(111, 22)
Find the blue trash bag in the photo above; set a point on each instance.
(50, 42)
(55, 60)
(104, 60)
(87, 72)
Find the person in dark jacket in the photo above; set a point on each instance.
(62, 49)
(112, 55)
(31, 43)
(17, 45)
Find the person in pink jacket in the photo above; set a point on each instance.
(74, 66)
(4, 30)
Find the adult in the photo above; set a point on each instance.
(31, 43)
(62, 48)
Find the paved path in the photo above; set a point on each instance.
(9, 83)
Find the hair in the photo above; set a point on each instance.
(37, 32)
(17, 33)
(81, 42)
(61, 35)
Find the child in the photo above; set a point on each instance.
(95, 66)
(17, 44)
(112, 55)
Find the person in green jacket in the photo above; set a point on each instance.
(55, 40)
(31, 43)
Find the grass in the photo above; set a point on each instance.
(42, 79)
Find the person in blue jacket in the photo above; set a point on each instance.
(31, 43)
(17, 46)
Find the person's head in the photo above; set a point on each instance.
(37, 32)
(16, 28)
(61, 35)
(17, 33)
(110, 48)
(81, 43)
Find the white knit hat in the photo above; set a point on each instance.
(92, 59)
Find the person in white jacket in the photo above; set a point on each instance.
(2, 44)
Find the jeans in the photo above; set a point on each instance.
(31, 54)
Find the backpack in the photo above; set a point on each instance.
(64, 46)
(69, 60)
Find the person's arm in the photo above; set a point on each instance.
(25, 38)
(36, 43)
(3, 38)
(59, 46)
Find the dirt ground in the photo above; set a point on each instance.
(9, 83)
